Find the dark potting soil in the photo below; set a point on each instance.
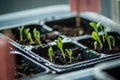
(71, 31)
(90, 44)
(58, 58)
(45, 39)
(24, 69)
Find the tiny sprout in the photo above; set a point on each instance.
(95, 44)
(96, 37)
(21, 32)
(60, 46)
(111, 41)
(94, 26)
(50, 53)
(29, 36)
(105, 37)
(37, 35)
(26, 31)
(69, 52)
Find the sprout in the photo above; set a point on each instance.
(96, 37)
(37, 35)
(94, 26)
(21, 32)
(50, 53)
(29, 36)
(26, 31)
(95, 44)
(60, 46)
(111, 41)
(69, 52)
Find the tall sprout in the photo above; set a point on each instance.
(70, 53)
(105, 37)
(36, 34)
(28, 35)
(21, 32)
(50, 53)
(96, 37)
(60, 46)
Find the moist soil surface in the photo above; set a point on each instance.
(90, 44)
(24, 69)
(71, 31)
(58, 58)
(45, 39)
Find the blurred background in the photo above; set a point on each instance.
(8, 6)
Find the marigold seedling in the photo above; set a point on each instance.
(21, 32)
(50, 53)
(70, 53)
(60, 46)
(36, 34)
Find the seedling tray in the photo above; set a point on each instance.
(39, 53)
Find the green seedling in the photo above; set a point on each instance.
(98, 26)
(110, 40)
(70, 53)
(95, 45)
(96, 37)
(21, 32)
(26, 31)
(37, 35)
(60, 46)
(50, 53)
(29, 36)
(94, 26)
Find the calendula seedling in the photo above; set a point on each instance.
(70, 53)
(29, 36)
(50, 53)
(36, 34)
(21, 32)
(96, 37)
(60, 46)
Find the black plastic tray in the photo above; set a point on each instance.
(92, 57)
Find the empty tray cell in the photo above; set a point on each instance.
(67, 26)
